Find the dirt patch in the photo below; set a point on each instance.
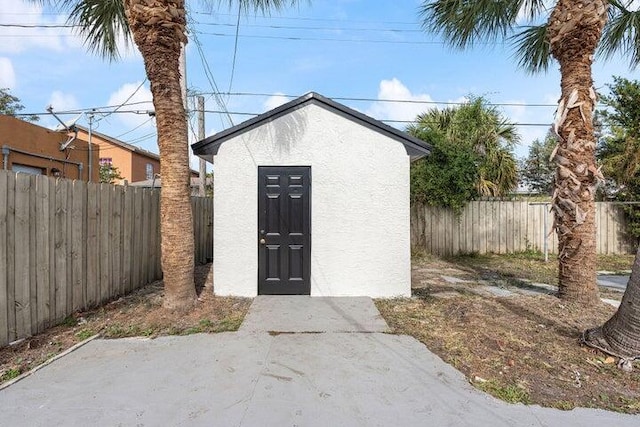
(523, 348)
(137, 314)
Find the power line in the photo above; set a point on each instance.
(399, 101)
(304, 18)
(292, 27)
(135, 128)
(39, 25)
(126, 100)
(242, 113)
(328, 39)
(235, 47)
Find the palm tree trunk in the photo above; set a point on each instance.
(620, 335)
(575, 27)
(158, 29)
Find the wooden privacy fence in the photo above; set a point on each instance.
(70, 245)
(506, 227)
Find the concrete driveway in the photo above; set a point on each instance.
(297, 361)
(616, 282)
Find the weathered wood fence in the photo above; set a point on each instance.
(506, 227)
(70, 245)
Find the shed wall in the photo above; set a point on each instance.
(360, 243)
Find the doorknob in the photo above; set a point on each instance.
(262, 241)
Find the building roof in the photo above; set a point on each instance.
(208, 147)
(119, 143)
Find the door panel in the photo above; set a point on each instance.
(284, 235)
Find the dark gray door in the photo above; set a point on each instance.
(284, 235)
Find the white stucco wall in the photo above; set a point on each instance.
(359, 204)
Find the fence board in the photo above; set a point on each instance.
(127, 238)
(11, 255)
(93, 253)
(78, 249)
(137, 238)
(115, 247)
(60, 250)
(42, 214)
(105, 230)
(144, 272)
(22, 267)
(33, 285)
(4, 297)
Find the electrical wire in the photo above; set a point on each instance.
(235, 47)
(125, 101)
(384, 100)
(242, 113)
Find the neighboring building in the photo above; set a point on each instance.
(312, 198)
(33, 149)
(133, 163)
(157, 183)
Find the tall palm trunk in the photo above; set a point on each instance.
(158, 29)
(575, 27)
(620, 335)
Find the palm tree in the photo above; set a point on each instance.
(158, 29)
(572, 33)
(479, 128)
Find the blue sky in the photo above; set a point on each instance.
(365, 49)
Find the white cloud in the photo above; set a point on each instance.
(135, 99)
(394, 90)
(63, 101)
(16, 39)
(274, 101)
(7, 74)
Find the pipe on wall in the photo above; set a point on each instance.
(6, 150)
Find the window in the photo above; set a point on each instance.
(26, 169)
(149, 171)
(106, 161)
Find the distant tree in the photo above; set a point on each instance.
(537, 170)
(447, 177)
(10, 106)
(109, 173)
(619, 146)
(472, 156)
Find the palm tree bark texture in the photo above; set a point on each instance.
(158, 29)
(620, 335)
(574, 30)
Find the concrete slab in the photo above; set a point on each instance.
(615, 282)
(313, 314)
(254, 379)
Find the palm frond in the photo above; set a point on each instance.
(621, 34)
(462, 23)
(258, 6)
(102, 23)
(532, 8)
(531, 48)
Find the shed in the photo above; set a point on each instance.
(311, 198)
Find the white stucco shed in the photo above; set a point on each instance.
(311, 198)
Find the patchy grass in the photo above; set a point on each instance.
(139, 314)
(522, 348)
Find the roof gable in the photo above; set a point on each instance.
(208, 147)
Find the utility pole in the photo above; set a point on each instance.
(203, 164)
(182, 67)
(90, 117)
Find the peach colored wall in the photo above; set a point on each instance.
(20, 135)
(120, 157)
(130, 164)
(139, 167)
